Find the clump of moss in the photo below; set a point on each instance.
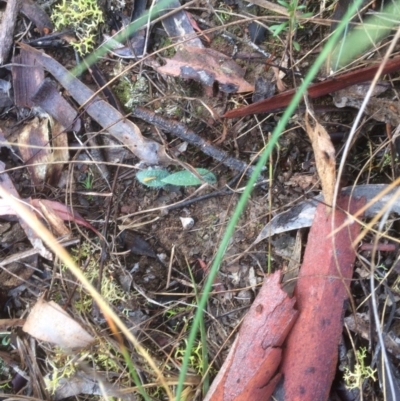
(111, 291)
(63, 367)
(361, 372)
(84, 16)
(131, 94)
(102, 357)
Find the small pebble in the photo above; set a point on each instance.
(187, 222)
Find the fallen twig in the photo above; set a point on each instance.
(183, 132)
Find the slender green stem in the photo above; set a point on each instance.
(133, 373)
(203, 337)
(245, 196)
(121, 36)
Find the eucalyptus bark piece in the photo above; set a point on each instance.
(323, 288)
(27, 76)
(7, 29)
(250, 370)
(107, 116)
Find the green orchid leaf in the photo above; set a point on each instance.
(186, 178)
(152, 178)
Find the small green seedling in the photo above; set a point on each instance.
(88, 181)
(159, 178)
(293, 8)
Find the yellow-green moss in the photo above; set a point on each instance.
(84, 16)
(132, 94)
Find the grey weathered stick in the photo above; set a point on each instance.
(109, 118)
(7, 29)
(183, 132)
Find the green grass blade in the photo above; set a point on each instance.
(203, 338)
(133, 373)
(245, 196)
(154, 12)
(360, 39)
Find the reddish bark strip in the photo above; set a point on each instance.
(249, 372)
(310, 358)
(316, 90)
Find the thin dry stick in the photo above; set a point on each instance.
(183, 132)
(276, 8)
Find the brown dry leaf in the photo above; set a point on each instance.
(34, 148)
(207, 66)
(49, 322)
(55, 221)
(59, 155)
(63, 212)
(6, 208)
(66, 119)
(279, 74)
(44, 164)
(324, 152)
